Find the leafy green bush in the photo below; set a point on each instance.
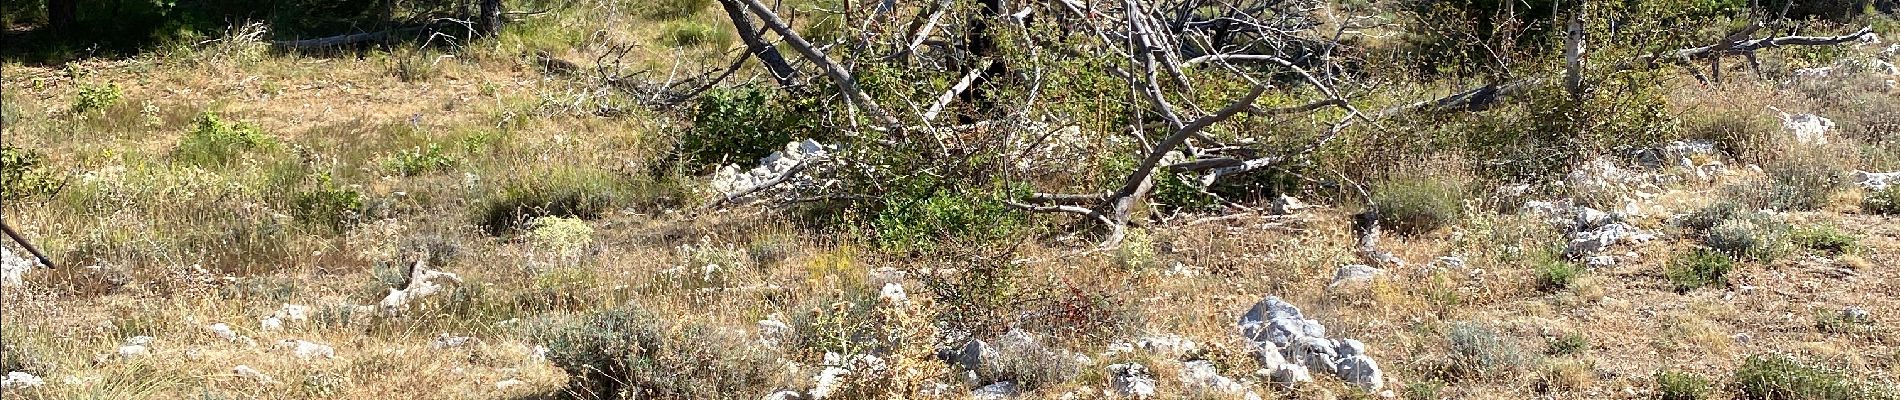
(1477, 351)
(628, 353)
(327, 205)
(742, 124)
(660, 10)
(694, 33)
(1886, 201)
(1802, 180)
(420, 160)
(1555, 273)
(1841, 322)
(23, 174)
(1679, 385)
(96, 97)
(1569, 344)
(213, 142)
(1826, 239)
(1698, 268)
(571, 193)
(1707, 217)
(1755, 236)
(918, 222)
(1775, 376)
(1418, 205)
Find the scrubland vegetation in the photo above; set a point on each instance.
(1083, 189)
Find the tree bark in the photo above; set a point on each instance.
(62, 15)
(981, 45)
(768, 54)
(490, 23)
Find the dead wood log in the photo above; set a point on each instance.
(846, 83)
(782, 71)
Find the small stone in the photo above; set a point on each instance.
(21, 380)
(444, 341)
(785, 395)
(1361, 371)
(1857, 315)
(133, 350)
(252, 373)
(292, 312)
(1600, 261)
(1355, 274)
(139, 340)
(222, 331)
(307, 350)
(270, 324)
(1288, 375)
(773, 332)
(893, 293)
(996, 391)
(1132, 380)
(1201, 376)
(1807, 128)
(505, 384)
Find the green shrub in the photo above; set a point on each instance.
(1802, 180)
(23, 174)
(1755, 236)
(1826, 239)
(694, 33)
(96, 97)
(327, 205)
(918, 222)
(1698, 268)
(1477, 351)
(1775, 376)
(1679, 385)
(742, 124)
(660, 10)
(1555, 273)
(628, 353)
(584, 194)
(213, 142)
(1418, 205)
(1708, 217)
(1841, 322)
(420, 160)
(1423, 390)
(1569, 344)
(1885, 201)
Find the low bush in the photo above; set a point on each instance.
(1886, 201)
(327, 205)
(660, 10)
(1775, 376)
(918, 222)
(1477, 351)
(1555, 273)
(1756, 237)
(1569, 344)
(1417, 205)
(628, 353)
(1699, 268)
(1801, 180)
(1679, 385)
(1706, 217)
(693, 33)
(1825, 239)
(739, 125)
(420, 160)
(570, 193)
(1842, 322)
(96, 97)
(23, 174)
(214, 142)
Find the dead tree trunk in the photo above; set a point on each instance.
(490, 22)
(981, 46)
(62, 15)
(767, 54)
